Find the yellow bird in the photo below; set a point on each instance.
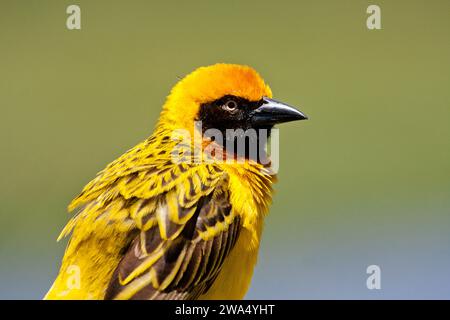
(168, 219)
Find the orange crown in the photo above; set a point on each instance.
(207, 84)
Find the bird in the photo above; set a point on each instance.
(160, 224)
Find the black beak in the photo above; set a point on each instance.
(272, 112)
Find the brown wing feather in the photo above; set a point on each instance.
(178, 260)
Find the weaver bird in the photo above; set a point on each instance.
(151, 228)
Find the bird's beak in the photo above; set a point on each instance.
(272, 112)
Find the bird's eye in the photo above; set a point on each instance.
(230, 105)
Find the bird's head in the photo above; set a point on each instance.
(222, 97)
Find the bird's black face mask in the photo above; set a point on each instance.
(244, 125)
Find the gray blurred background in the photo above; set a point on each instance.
(365, 181)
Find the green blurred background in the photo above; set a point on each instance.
(365, 181)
